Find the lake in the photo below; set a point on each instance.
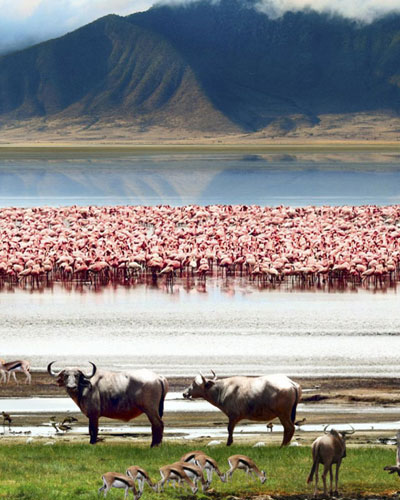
(120, 177)
(229, 325)
(230, 329)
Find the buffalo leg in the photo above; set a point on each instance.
(157, 428)
(231, 426)
(288, 430)
(93, 429)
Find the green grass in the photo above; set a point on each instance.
(103, 151)
(74, 471)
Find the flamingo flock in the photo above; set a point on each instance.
(270, 244)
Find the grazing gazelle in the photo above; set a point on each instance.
(141, 476)
(206, 463)
(244, 463)
(117, 480)
(21, 365)
(182, 472)
(2, 371)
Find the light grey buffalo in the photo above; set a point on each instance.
(119, 395)
(252, 398)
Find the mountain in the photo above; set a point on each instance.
(210, 68)
(110, 69)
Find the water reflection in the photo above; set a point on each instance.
(226, 284)
(99, 178)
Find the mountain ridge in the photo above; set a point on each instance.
(208, 68)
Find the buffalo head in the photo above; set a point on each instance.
(199, 386)
(72, 379)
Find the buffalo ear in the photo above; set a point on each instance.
(60, 379)
(209, 384)
(85, 383)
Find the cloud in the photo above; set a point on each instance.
(363, 10)
(32, 21)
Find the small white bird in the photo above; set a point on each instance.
(259, 444)
(215, 442)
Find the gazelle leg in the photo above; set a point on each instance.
(230, 471)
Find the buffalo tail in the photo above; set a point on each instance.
(161, 405)
(293, 415)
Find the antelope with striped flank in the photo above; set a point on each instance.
(182, 472)
(20, 365)
(117, 480)
(242, 462)
(206, 464)
(139, 475)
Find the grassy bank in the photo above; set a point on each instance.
(99, 150)
(74, 471)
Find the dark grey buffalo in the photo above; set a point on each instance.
(251, 398)
(119, 395)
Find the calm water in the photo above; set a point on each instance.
(268, 179)
(230, 328)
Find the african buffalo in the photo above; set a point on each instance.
(119, 395)
(252, 398)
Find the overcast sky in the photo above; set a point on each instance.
(31, 21)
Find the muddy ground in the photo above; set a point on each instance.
(328, 389)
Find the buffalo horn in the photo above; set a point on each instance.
(213, 374)
(50, 371)
(94, 371)
(349, 433)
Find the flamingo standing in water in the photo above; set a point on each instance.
(268, 244)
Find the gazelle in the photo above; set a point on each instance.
(182, 472)
(247, 464)
(140, 475)
(2, 371)
(117, 480)
(206, 463)
(20, 365)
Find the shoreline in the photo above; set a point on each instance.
(201, 147)
(332, 389)
(370, 403)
